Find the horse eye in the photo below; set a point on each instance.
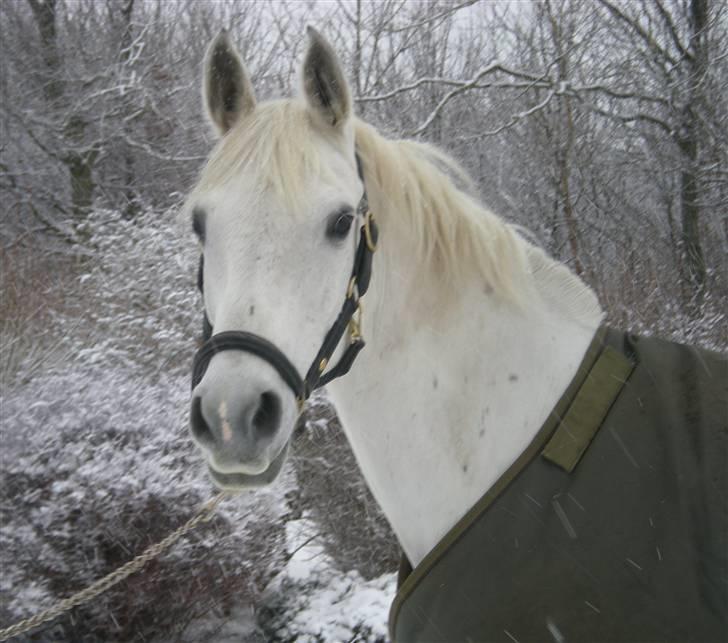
(198, 223)
(339, 224)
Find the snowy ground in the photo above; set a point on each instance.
(322, 604)
(310, 601)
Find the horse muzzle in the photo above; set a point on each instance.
(238, 422)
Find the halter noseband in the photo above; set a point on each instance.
(349, 318)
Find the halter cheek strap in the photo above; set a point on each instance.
(349, 318)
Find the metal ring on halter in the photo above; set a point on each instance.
(368, 221)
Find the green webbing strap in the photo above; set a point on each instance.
(588, 410)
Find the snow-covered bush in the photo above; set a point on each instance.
(126, 298)
(97, 465)
(100, 468)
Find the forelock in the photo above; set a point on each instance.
(277, 146)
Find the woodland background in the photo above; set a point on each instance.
(600, 126)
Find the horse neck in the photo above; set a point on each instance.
(440, 403)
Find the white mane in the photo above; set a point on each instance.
(417, 193)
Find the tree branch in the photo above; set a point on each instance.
(426, 21)
(672, 30)
(630, 118)
(459, 84)
(648, 39)
(515, 118)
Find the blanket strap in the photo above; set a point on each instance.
(589, 408)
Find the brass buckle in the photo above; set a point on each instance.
(368, 217)
(350, 288)
(355, 324)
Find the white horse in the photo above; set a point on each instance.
(473, 333)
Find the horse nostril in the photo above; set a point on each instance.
(199, 426)
(268, 415)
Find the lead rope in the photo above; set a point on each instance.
(204, 514)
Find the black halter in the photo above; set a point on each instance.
(349, 318)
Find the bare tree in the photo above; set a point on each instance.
(671, 97)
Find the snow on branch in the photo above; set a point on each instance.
(529, 80)
(426, 21)
(524, 114)
(459, 84)
(145, 147)
(630, 118)
(473, 84)
(615, 93)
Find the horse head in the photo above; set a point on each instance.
(275, 211)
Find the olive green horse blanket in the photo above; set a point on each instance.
(612, 525)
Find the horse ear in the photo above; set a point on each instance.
(227, 90)
(324, 84)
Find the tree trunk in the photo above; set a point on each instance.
(565, 188)
(564, 148)
(689, 143)
(45, 19)
(361, 109)
(79, 162)
(131, 208)
(82, 183)
(690, 208)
